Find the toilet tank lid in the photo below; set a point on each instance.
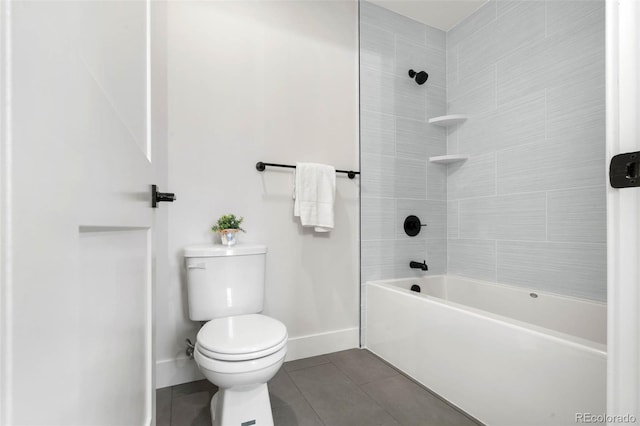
(214, 250)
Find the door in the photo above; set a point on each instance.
(77, 221)
(623, 214)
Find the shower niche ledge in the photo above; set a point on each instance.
(448, 120)
(448, 159)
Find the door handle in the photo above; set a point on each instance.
(157, 197)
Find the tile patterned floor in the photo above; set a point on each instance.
(352, 387)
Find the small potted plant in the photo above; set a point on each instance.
(228, 226)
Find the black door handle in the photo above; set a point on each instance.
(157, 197)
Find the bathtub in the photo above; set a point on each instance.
(505, 355)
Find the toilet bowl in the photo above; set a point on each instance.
(240, 354)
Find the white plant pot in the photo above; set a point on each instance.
(228, 237)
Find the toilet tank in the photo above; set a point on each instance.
(224, 281)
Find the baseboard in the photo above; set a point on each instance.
(322, 343)
(170, 372)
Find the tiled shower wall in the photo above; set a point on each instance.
(528, 206)
(396, 141)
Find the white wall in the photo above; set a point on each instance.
(274, 82)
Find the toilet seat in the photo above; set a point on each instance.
(241, 337)
(238, 368)
(241, 357)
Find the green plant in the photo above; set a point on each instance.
(228, 221)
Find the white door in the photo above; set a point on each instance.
(77, 243)
(623, 213)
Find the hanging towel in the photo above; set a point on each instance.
(315, 193)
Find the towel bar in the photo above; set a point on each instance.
(260, 166)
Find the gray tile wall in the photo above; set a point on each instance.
(396, 141)
(528, 206)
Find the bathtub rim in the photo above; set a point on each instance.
(499, 285)
(596, 348)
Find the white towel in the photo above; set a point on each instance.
(315, 193)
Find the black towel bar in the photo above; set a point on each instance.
(260, 166)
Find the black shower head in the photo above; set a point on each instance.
(420, 77)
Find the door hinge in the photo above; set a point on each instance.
(624, 170)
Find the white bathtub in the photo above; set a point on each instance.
(497, 352)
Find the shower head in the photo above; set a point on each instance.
(420, 77)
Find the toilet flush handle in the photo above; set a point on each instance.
(197, 266)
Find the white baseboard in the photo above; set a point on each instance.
(170, 372)
(322, 343)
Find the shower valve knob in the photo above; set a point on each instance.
(412, 225)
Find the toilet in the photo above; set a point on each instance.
(237, 349)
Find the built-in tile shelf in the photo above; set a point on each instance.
(447, 159)
(448, 120)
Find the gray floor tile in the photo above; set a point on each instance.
(295, 412)
(412, 405)
(306, 362)
(361, 365)
(194, 387)
(191, 402)
(336, 399)
(163, 407)
(322, 390)
(282, 389)
(191, 409)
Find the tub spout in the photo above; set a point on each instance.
(418, 265)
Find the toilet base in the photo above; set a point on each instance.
(242, 406)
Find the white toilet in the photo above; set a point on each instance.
(238, 349)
